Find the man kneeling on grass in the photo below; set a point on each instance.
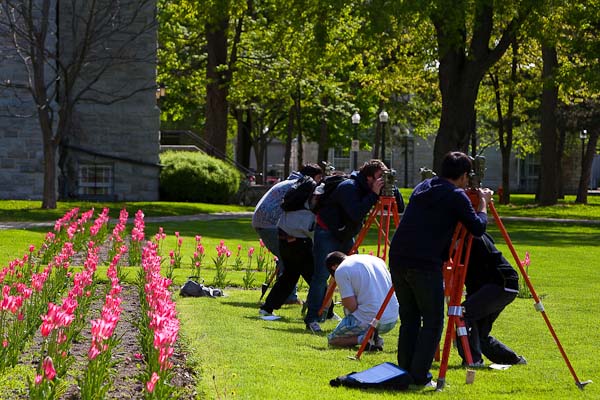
(363, 281)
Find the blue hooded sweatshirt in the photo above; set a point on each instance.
(423, 237)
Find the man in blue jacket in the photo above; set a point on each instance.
(418, 249)
(338, 221)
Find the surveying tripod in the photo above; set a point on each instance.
(381, 214)
(455, 271)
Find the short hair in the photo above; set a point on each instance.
(370, 167)
(455, 164)
(334, 258)
(311, 170)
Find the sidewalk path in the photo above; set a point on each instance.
(248, 214)
(195, 217)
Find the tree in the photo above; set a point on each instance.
(465, 56)
(96, 37)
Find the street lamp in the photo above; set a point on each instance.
(383, 118)
(161, 91)
(582, 136)
(406, 137)
(355, 145)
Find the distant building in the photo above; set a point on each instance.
(413, 153)
(112, 150)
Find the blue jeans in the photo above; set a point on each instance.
(481, 310)
(324, 243)
(420, 296)
(270, 238)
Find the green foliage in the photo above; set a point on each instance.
(197, 177)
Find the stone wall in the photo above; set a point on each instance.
(115, 125)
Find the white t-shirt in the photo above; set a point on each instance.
(367, 278)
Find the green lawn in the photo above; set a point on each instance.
(240, 356)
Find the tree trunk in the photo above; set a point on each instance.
(300, 155)
(457, 122)
(548, 191)
(288, 143)
(586, 169)
(323, 133)
(217, 85)
(244, 140)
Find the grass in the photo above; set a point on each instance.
(522, 205)
(238, 355)
(27, 210)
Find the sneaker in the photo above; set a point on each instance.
(522, 361)
(477, 364)
(264, 313)
(335, 317)
(372, 346)
(314, 327)
(429, 385)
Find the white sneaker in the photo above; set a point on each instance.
(264, 313)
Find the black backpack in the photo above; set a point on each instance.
(298, 194)
(327, 187)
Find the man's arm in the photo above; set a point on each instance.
(350, 303)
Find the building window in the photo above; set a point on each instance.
(95, 179)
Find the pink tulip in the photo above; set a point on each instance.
(48, 367)
(152, 382)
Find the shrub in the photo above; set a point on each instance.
(197, 177)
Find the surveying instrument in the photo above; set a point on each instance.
(381, 215)
(455, 271)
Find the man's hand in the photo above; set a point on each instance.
(485, 197)
(378, 185)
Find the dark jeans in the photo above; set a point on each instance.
(421, 298)
(481, 310)
(270, 238)
(298, 259)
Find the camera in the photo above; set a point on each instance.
(477, 173)
(389, 179)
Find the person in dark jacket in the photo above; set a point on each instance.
(491, 284)
(338, 221)
(417, 251)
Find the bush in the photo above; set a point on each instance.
(197, 177)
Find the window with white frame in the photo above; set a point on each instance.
(95, 179)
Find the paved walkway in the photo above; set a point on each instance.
(248, 214)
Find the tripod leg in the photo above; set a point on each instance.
(374, 323)
(538, 303)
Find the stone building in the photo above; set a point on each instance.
(110, 149)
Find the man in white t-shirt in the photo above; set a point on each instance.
(363, 281)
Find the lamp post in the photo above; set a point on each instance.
(161, 91)
(383, 118)
(355, 145)
(265, 131)
(406, 136)
(582, 136)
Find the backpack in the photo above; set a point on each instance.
(326, 188)
(296, 197)
(194, 289)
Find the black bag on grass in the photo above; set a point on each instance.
(194, 289)
(385, 376)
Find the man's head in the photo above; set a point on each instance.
(373, 170)
(312, 170)
(456, 167)
(334, 259)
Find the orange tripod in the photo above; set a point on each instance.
(385, 209)
(455, 273)
(538, 303)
